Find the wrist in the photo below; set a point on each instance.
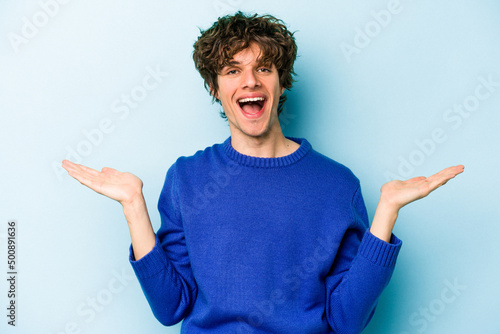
(388, 208)
(133, 201)
(384, 220)
(134, 208)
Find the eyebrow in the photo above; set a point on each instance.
(259, 62)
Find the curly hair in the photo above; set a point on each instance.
(231, 34)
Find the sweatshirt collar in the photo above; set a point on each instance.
(251, 161)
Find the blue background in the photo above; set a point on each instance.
(376, 81)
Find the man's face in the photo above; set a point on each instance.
(249, 94)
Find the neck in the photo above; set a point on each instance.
(270, 145)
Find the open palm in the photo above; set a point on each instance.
(399, 193)
(120, 186)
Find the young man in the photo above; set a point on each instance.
(259, 234)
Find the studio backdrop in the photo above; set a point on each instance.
(390, 88)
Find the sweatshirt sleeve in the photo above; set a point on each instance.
(165, 273)
(363, 267)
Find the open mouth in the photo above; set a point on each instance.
(252, 106)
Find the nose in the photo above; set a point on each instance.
(249, 79)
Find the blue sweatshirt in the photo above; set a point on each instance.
(264, 245)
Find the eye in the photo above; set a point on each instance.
(231, 72)
(264, 69)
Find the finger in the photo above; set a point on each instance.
(71, 168)
(83, 179)
(447, 172)
(109, 170)
(85, 169)
(451, 172)
(69, 164)
(416, 179)
(441, 178)
(80, 172)
(66, 164)
(458, 169)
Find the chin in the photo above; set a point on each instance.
(258, 128)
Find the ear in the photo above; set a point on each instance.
(282, 90)
(216, 94)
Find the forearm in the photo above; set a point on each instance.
(141, 230)
(163, 270)
(384, 220)
(354, 292)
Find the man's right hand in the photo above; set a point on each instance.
(126, 188)
(120, 186)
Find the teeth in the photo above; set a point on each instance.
(251, 99)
